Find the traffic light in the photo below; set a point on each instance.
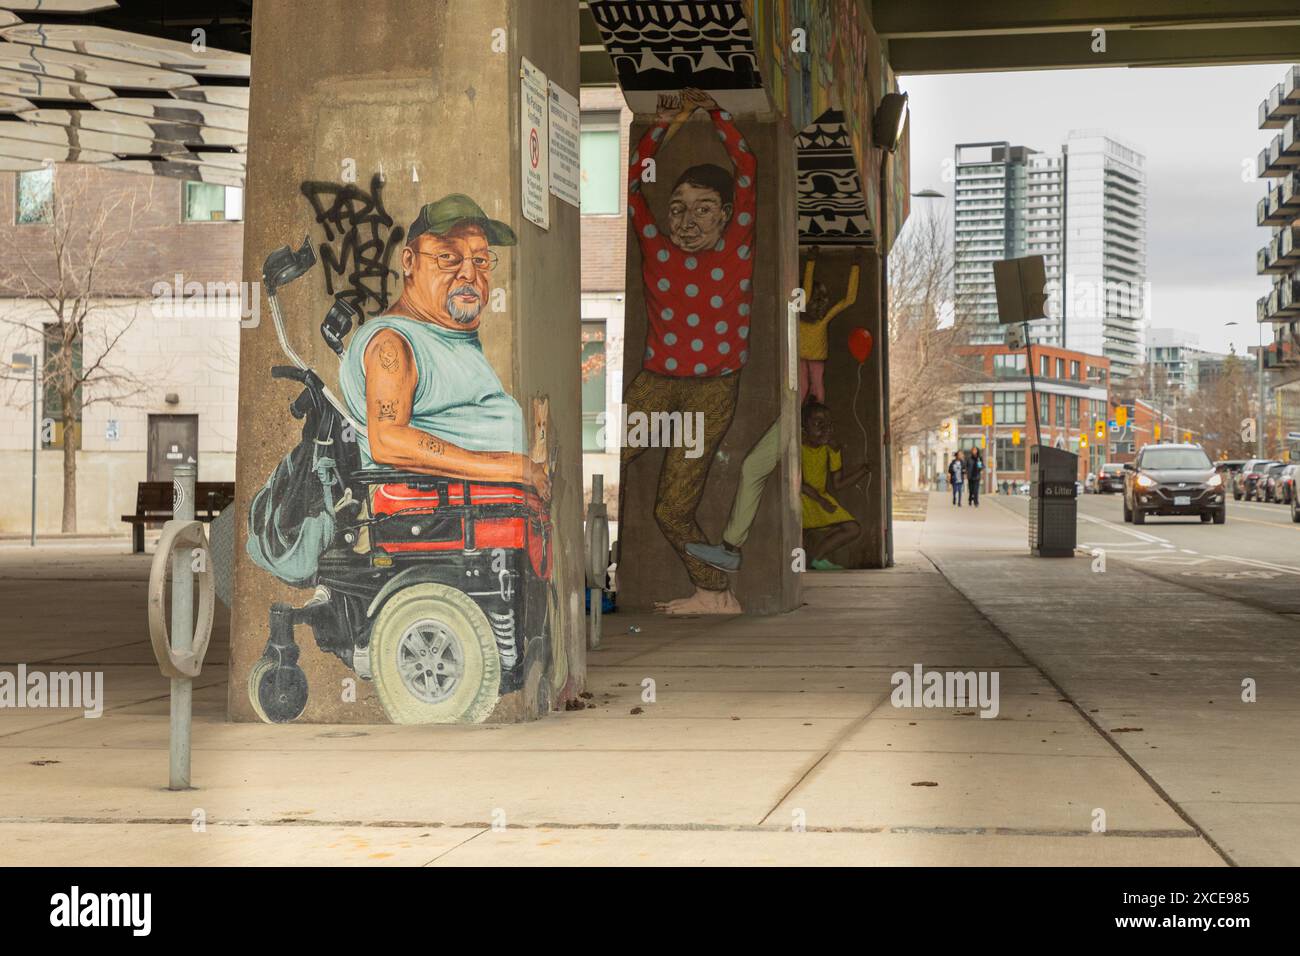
(1121, 415)
(1187, 438)
(986, 415)
(1156, 431)
(1015, 436)
(945, 431)
(1099, 430)
(1083, 439)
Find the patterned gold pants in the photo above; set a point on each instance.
(681, 479)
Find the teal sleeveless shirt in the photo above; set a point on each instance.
(458, 396)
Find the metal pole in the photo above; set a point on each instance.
(884, 362)
(182, 631)
(36, 440)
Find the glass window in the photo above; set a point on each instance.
(593, 386)
(35, 196)
(210, 202)
(1060, 368)
(1074, 371)
(1175, 458)
(1060, 410)
(1010, 457)
(1005, 366)
(1009, 408)
(972, 404)
(1074, 413)
(1044, 366)
(601, 172)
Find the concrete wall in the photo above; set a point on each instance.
(649, 568)
(191, 352)
(384, 87)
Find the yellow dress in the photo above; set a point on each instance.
(818, 463)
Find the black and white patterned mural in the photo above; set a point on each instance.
(658, 46)
(832, 210)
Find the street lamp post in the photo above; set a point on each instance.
(22, 363)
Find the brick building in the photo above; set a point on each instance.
(1073, 395)
(167, 294)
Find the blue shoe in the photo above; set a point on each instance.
(715, 556)
(821, 564)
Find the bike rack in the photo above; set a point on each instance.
(180, 654)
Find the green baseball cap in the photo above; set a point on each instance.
(439, 217)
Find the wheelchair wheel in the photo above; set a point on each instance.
(278, 692)
(434, 657)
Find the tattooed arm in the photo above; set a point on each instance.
(390, 390)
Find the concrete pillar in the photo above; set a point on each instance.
(853, 390)
(367, 125)
(657, 507)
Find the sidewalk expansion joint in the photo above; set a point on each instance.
(685, 827)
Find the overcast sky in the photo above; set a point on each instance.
(1196, 126)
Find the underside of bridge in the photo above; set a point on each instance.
(763, 196)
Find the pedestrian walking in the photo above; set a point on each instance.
(956, 475)
(975, 475)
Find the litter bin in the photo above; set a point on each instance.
(1052, 501)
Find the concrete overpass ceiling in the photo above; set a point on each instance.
(148, 86)
(936, 36)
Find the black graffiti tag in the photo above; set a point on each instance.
(359, 241)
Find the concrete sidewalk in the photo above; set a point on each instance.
(1157, 666)
(760, 728)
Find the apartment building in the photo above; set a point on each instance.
(1082, 207)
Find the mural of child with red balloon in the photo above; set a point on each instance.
(814, 330)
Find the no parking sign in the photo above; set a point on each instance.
(534, 144)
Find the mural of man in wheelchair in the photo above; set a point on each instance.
(411, 505)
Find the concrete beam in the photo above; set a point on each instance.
(1074, 50)
(907, 19)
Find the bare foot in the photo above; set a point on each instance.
(702, 602)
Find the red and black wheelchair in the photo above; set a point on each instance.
(436, 589)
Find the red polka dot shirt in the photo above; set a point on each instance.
(697, 303)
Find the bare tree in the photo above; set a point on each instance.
(1220, 406)
(63, 274)
(927, 324)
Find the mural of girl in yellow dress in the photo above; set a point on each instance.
(822, 477)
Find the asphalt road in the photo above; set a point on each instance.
(1254, 557)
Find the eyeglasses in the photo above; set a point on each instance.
(451, 262)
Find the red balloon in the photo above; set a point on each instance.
(860, 344)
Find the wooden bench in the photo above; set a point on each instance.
(153, 505)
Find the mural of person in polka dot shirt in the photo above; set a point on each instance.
(697, 271)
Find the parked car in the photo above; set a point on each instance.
(1230, 468)
(1269, 480)
(1248, 478)
(1173, 480)
(1109, 479)
(1284, 492)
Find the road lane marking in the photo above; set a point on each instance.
(1254, 562)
